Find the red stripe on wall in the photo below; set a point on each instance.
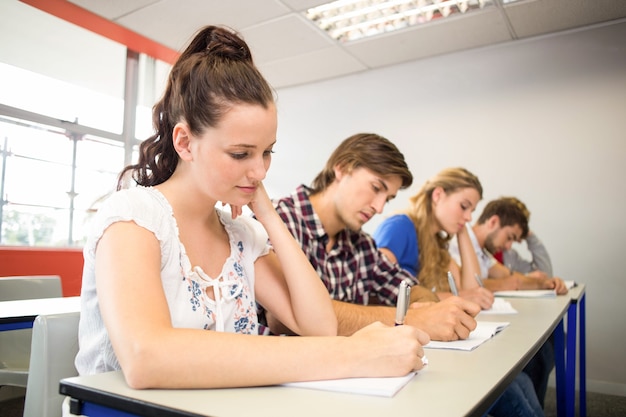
(66, 262)
(81, 17)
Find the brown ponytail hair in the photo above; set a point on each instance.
(212, 74)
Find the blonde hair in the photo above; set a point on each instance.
(434, 258)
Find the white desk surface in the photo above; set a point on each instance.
(16, 309)
(577, 292)
(455, 383)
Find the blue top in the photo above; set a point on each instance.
(397, 234)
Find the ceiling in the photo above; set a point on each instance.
(291, 50)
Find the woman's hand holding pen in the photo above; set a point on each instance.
(391, 350)
(481, 296)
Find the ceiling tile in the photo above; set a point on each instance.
(302, 5)
(304, 68)
(172, 25)
(112, 9)
(541, 17)
(284, 37)
(449, 35)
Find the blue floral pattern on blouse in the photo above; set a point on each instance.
(231, 308)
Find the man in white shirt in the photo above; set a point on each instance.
(502, 222)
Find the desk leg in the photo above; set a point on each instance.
(582, 394)
(559, 365)
(570, 367)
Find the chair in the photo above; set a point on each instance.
(30, 287)
(15, 344)
(55, 344)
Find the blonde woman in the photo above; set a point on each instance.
(417, 239)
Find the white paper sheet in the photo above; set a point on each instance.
(384, 387)
(484, 331)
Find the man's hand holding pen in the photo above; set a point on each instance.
(450, 319)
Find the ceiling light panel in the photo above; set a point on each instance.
(349, 20)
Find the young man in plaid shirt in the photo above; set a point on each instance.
(360, 177)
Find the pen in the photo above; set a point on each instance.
(452, 284)
(480, 281)
(402, 304)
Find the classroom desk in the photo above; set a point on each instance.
(20, 314)
(455, 383)
(565, 356)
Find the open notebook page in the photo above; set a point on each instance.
(526, 293)
(484, 331)
(384, 387)
(570, 284)
(500, 306)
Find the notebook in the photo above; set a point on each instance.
(383, 387)
(570, 284)
(484, 331)
(500, 306)
(526, 293)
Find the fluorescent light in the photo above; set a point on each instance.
(348, 20)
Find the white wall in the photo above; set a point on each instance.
(542, 119)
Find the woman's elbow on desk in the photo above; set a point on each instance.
(142, 368)
(158, 360)
(138, 374)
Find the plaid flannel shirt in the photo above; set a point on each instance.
(354, 270)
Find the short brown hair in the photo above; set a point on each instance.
(367, 150)
(510, 211)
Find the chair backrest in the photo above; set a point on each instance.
(30, 287)
(54, 347)
(15, 344)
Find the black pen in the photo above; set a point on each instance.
(402, 304)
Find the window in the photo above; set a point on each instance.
(51, 181)
(62, 113)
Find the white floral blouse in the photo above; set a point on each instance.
(233, 308)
